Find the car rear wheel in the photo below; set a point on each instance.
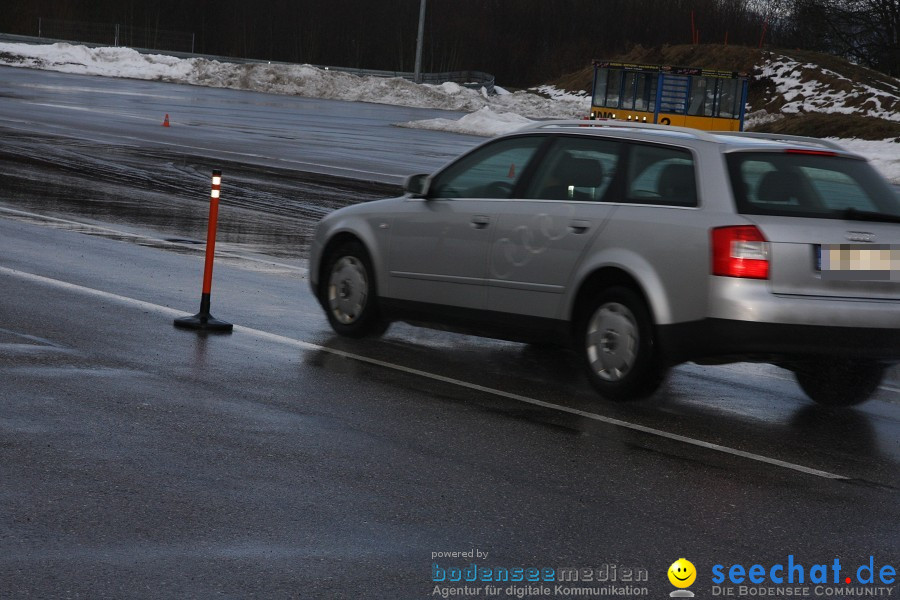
(348, 293)
(839, 383)
(618, 346)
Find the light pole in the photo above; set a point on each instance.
(418, 73)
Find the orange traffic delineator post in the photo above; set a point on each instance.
(203, 320)
(166, 121)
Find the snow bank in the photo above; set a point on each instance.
(484, 122)
(108, 62)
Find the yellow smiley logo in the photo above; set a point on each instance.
(682, 573)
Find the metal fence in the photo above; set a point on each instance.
(115, 34)
(471, 79)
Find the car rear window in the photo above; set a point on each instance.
(808, 185)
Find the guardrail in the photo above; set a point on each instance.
(115, 34)
(470, 79)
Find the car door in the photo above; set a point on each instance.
(439, 243)
(539, 238)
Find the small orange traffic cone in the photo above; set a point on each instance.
(512, 170)
(166, 121)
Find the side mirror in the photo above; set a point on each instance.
(417, 185)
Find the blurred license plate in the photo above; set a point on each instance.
(860, 262)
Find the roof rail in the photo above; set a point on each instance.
(613, 123)
(783, 137)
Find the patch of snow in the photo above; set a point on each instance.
(484, 122)
(814, 95)
(555, 93)
(883, 155)
(760, 117)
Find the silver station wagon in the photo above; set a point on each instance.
(643, 246)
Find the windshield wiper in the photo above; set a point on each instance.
(854, 214)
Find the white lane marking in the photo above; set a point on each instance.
(265, 335)
(99, 90)
(71, 107)
(107, 111)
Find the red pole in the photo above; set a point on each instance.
(203, 320)
(763, 36)
(211, 231)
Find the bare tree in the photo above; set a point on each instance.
(522, 42)
(866, 31)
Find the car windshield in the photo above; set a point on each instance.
(810, 184)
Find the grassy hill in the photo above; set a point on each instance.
(791, 91)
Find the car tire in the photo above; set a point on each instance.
(618, 346)
(348, 292)
(839, 382)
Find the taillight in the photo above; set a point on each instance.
(740, 251)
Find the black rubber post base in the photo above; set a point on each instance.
(204, 322)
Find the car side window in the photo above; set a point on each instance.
(576, 168)
(491, 171)
(661, 175)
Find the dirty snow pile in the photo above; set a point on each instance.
(489, 114)
(484, 122)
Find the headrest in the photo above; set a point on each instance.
(676, 183)
(580, 172)
(780, 187)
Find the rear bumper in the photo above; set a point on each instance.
(753, 301)
(773, 342)
(746, 321)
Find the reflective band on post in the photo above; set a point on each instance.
(203, 320)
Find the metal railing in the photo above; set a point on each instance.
(115, 34)
(471, 79)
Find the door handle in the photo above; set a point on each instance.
(480, 221)
(579, 226)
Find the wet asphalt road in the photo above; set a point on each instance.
(347, 139)
(141, 461)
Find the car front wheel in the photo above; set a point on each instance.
(618, 346)
(839, 382)
(348, 293)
